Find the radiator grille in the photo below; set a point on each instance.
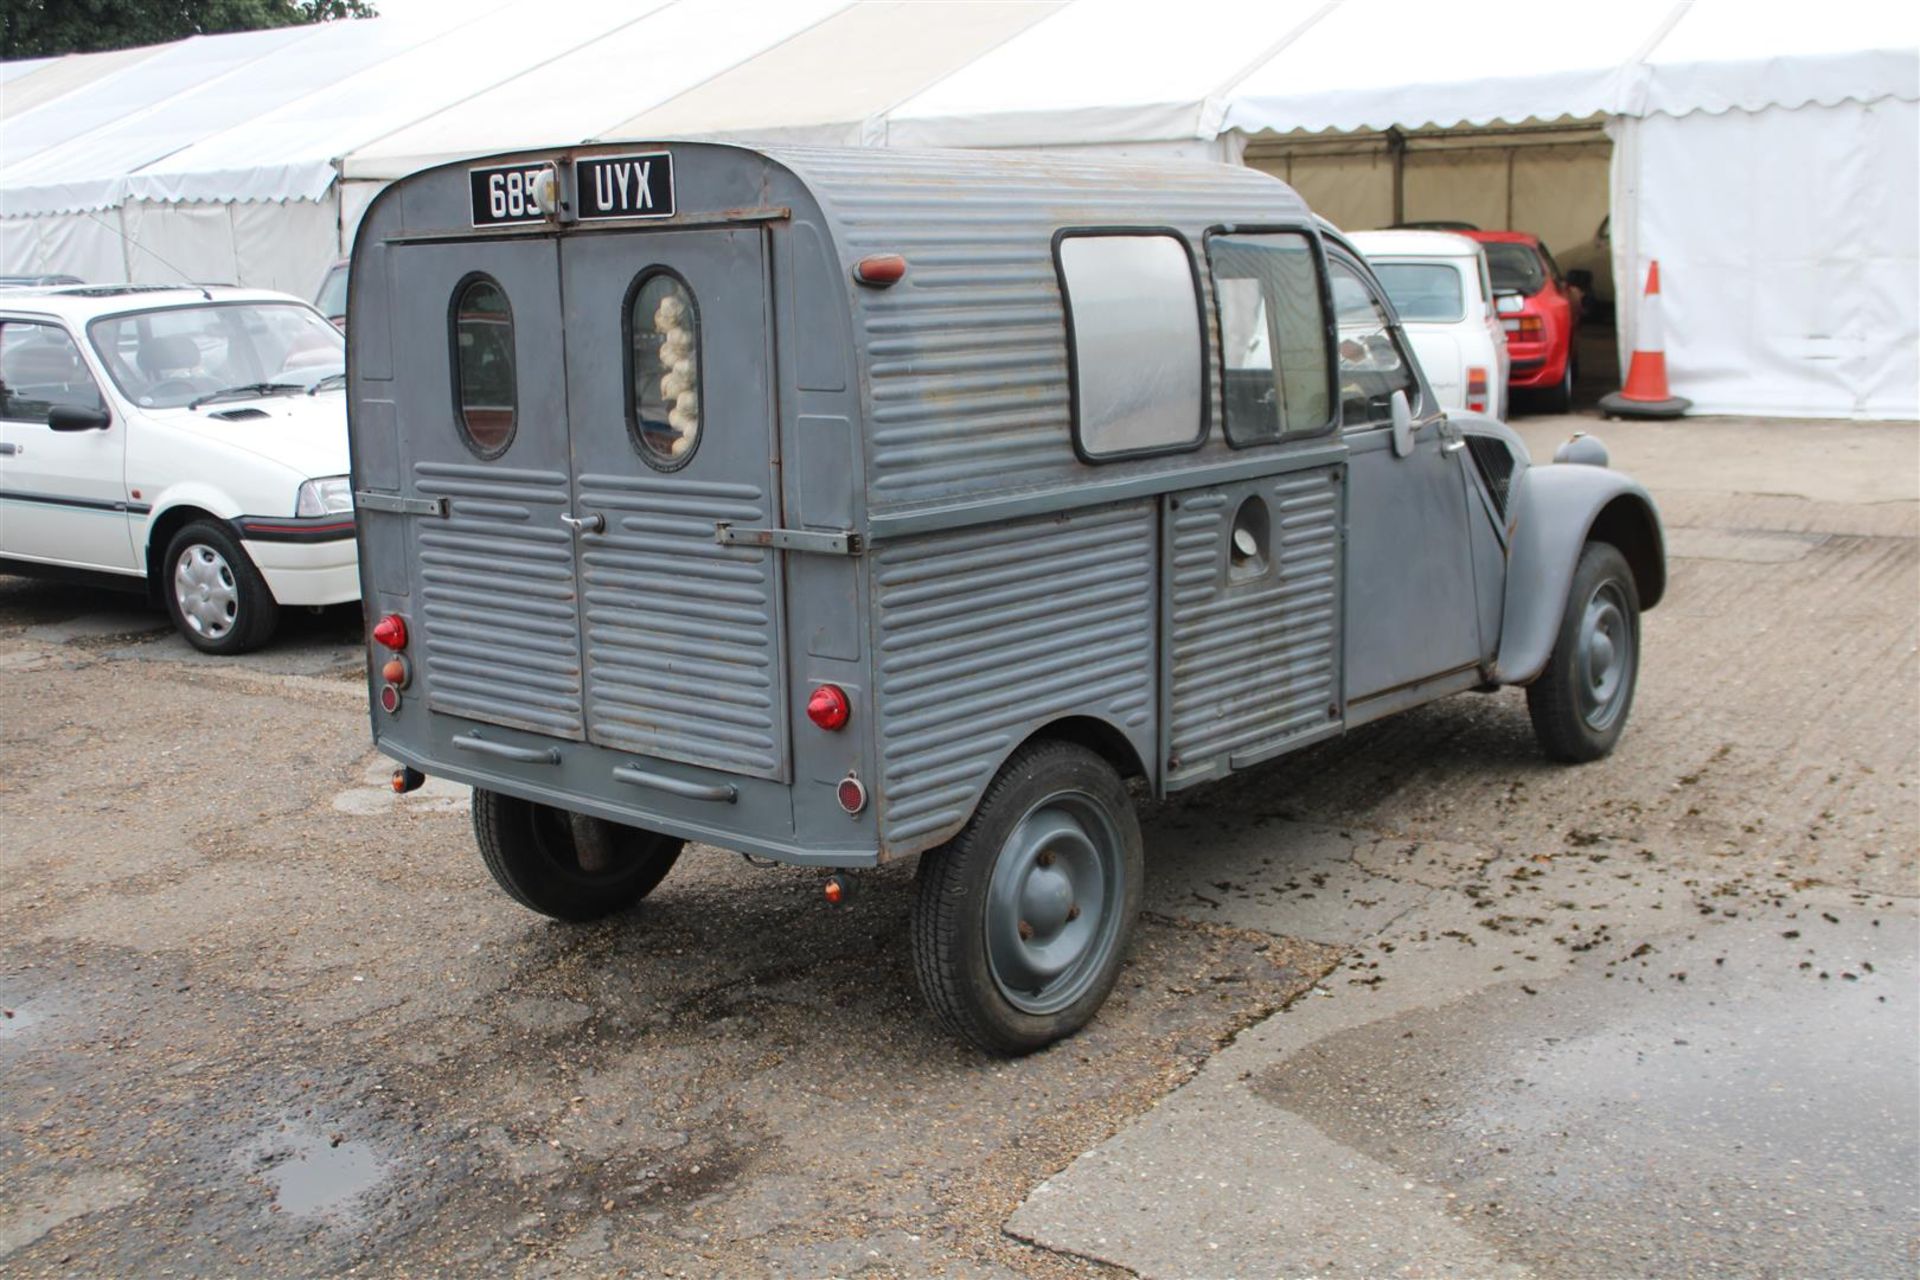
(1254, 664)
(498, 616)
(681, 661)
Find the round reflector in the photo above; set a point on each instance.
(852, 796)
(828, 707)
(389, 699)
(391, 631)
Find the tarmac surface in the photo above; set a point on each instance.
(1413, 1002)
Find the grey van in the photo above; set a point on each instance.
(844, 506)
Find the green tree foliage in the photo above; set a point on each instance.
(47, 28)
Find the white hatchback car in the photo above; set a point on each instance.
(1438, 283)
(191, 438)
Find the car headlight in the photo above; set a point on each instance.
(329, 495)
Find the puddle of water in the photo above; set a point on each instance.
(15, 1017)
(312, 1177)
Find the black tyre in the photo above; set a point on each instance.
(213, 593)
(567, 865)
(1580, 702)
(1021, 922)
(1559, 398)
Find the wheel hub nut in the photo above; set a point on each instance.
(1073, 912)
(1026, 931)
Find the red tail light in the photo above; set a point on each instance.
(391, 631)
(828, 707)
(1477, 389)
(1526, 328)
(878, 270)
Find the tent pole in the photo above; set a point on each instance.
(1397, 149)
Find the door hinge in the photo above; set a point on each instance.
(832, 542)
(364, 501)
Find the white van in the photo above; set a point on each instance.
(1438, 283)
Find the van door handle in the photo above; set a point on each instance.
(724, 792)
(507, 751)
(595, 523)
(9, 447)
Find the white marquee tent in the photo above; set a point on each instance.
(1766, 160)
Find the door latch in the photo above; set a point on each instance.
(7, 446)
(595, 523)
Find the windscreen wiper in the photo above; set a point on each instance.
(328, 383)
(247, 391)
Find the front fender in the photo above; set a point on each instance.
(190, 493)
(1556, 509)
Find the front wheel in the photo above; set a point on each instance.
(567, 865)
(1580, 702)
(1021, 921)
(215, 596)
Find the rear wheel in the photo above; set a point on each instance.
(1021, 921)
(1579, 704)
(567, 865)
(1559, 397)
(215, 596)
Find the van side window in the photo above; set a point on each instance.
(1372, 363)
(40, 367)
(1266, 287)
(485, 389)
(663, 369)
(1136, 352)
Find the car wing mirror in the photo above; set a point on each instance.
(1509, 301)
(1402, 423)
(78, 417)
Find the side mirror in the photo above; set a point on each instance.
(1402, 424)
(1509, 301)
(78, 417)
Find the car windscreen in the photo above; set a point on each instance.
(1516, 266)
(333, 293)
(1424, 292)
(166, 358)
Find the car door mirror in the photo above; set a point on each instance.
(78, 417)
(1402, 423)
(1509, 301)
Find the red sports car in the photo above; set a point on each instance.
(1539, 311)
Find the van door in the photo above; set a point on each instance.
(669, 347)
(1411, 608)
(484, 426)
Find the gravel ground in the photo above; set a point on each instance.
(263, 1016)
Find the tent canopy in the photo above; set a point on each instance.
(281, 114)
(662, 52)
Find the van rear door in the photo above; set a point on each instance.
(669, 347)
(483, 428)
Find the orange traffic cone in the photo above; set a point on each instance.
(1646, 394)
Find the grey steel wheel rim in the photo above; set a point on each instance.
(1605, 658)
(1053, 917)
(206, 592)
